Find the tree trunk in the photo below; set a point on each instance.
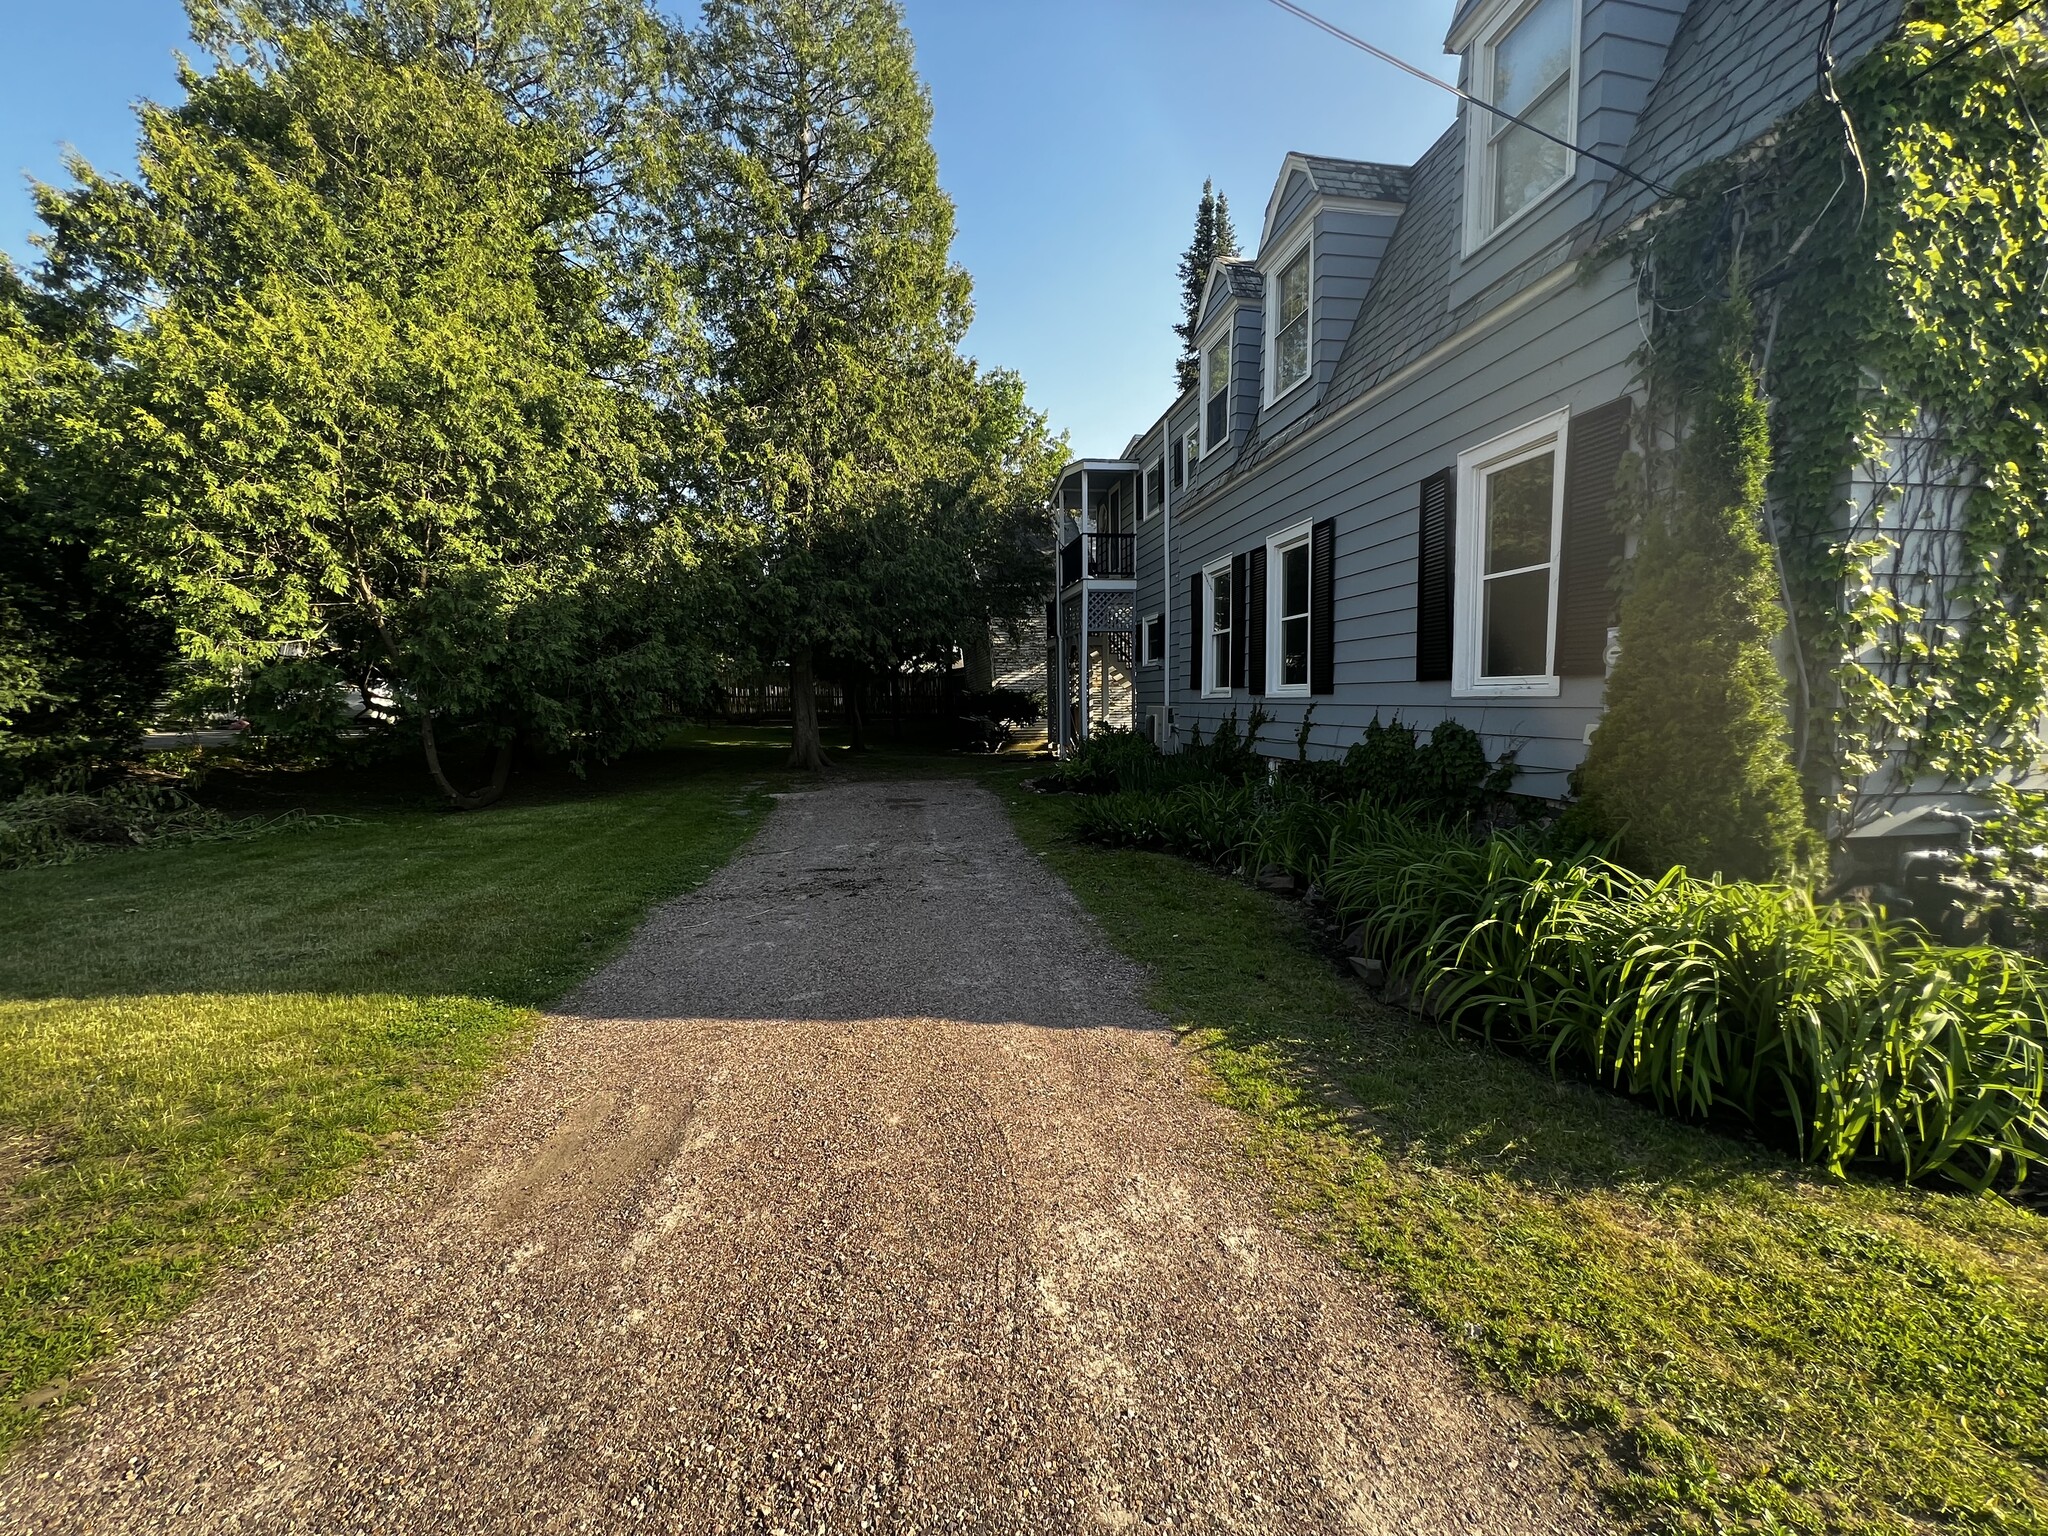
(501, 771)
(807, 751)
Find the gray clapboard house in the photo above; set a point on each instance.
(1389, 493)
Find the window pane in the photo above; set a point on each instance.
(1219, 419)
(1518, 514)
(1533, 56)
(1517, 642)
(1290, 362)
(1294, 288)
(1294, 580)
(1294, 651)
(1526, 165)
(1219, 587)
(1219, 368)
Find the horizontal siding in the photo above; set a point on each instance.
(1573, 349)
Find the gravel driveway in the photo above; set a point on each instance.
(861, 1194)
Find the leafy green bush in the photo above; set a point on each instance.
(1113, 760)
(1830, 1030)
(1444, 774)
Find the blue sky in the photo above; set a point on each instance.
(1073, 135)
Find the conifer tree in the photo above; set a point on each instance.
(1690, 766)
(820, 239)
(1215, 240)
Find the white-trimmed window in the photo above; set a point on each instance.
(1152, 640)
(1287, 611)
(1216, 620)
(1193, 449)
(1510, 510)
(1525, 61)
(1216, 394)
(1288, 305)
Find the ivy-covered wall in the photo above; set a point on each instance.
(1878, 267)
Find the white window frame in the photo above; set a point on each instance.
(1275, 546)
(1533, 440)
(1191, 453)
(1482, 126)
(1224, 336)
(1273, 393)
(1214, 687)
(1147, 657)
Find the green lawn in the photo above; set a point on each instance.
(1730, 1342)
(196, 1043)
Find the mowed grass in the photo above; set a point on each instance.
(198, 1043)
(1731, 1343)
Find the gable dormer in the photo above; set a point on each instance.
(1227, 346)
(1579, 69)
(1327, 224)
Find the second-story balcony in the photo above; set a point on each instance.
(1099, 557)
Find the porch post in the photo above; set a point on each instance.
(1056, 706)
(1087, 632)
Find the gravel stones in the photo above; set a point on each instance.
(861, 1193)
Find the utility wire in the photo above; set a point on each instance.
(1466, 96)
(1824, 68)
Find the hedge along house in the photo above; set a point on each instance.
(1391, 491)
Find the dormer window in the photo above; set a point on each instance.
(1216, 394)
(1526, 63)
(1289, 307)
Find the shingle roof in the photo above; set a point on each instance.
(1366, 179)
(1244, 280)
(1408, 310)
(1734, 69)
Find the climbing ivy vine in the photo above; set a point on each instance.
(1886, 253)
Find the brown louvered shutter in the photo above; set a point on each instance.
(1590, 547)
(1255, 620)
(1433, 577)
(1322, 607)
(1237, 620)
(1198, 632)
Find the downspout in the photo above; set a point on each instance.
(1167, 591)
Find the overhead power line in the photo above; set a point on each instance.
(1466, 96)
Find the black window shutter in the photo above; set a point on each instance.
(1176, 464)
(1590, 545)
(1255, 620)
(1433, 577)
(1198, 631)
(1322, 607)
(1237, 620)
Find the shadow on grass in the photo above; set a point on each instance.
(1735, 1342)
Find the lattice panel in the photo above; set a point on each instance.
(1112, 613)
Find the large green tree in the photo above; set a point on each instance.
(83, 646)
(402, 396)
(1215, 240)
(819, 242)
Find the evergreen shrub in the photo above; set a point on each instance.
(1690, 766)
